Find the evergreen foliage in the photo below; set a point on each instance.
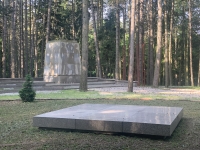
(27, 94)
(29, 22)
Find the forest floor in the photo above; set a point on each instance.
(17, 132)
(181, 92)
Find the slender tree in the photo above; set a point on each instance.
(190, 42)
(73, 19)
(151, 41)
(124, 42)
(4, 45)
(166, 48)
(132, 34)
(48, 21)
(159, 46)
(13, 39)
(117, 77)
(84, 60)
(37, 9)
(141, 36)
(170, 42)
(26, 38)
(96, 41)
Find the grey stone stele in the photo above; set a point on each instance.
(149, 120)
(62, 62)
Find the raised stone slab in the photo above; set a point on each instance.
(151, 120)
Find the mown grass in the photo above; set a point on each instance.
(16, 131)
(76, 94)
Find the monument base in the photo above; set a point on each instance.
(150, 120)
(62, 79)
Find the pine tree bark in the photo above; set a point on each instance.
(96, 41)
(170, 43)
(43, 45)
(140, 69)
(117, 42)
(13, 39)
(84, 60)
(159, 46)
(124, 42)
(73, 20)
(48, 21)
(26, 38)
(30, 39)
(37, 9)
(190, 42)
(132, 34)
(21, 54)
(166, 48)
(137, 19)
(176, 55)
(186, 67)
(4, 45)
(151, 53)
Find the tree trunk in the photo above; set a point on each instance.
(73, 20)
(176, 56)
(48, 21)
(124, 49)
(170, 43)
(166, 49)
(159, 46)
(140, 67)
(43, 45)
(96, 41)
(151, 53)
(101, 18)
(84, 64)
(26, 39)
(148, 52)
(4, 45)
(13, 41)
(131, 62)
(30, 39)
(117, 42)
(186, 67)
(137, 19)
(36, 39)
(150, 45)
(21, 41)
(190, 41)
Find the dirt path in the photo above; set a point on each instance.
(185, 93)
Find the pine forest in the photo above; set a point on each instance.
(155, 42)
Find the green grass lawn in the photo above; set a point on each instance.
(16, 131)
(76, 94)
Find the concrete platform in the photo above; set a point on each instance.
(150, 120)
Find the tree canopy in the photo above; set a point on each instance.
(23, 35)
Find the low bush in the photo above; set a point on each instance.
(27, 94)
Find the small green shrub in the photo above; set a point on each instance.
(27, 94)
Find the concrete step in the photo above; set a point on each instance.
(11, 80)
(47, 88)
(76, 84)
(20, 84)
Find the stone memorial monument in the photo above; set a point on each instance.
(62, 62)
(149, 120)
